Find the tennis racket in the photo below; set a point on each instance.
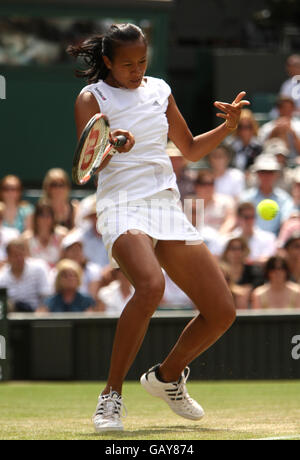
(93, 147)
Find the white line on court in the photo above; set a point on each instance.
(278, 438)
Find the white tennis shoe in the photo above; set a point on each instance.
(108, 413)
(174, 393)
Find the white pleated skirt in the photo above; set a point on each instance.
(160, 216)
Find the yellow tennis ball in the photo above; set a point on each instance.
(267, 209)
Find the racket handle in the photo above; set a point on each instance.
(121, 140)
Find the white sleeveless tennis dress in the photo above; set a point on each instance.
(137, 190)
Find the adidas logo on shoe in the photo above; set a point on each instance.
(174, 393)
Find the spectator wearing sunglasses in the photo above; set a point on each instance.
(56, 189)
(278, 291)
(17, 213)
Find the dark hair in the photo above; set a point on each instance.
(202, 174)
(293, 237)
(274, 262)
(246, 206)
(240, 239)
(94, 48)
(41, 207)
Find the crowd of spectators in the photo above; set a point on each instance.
(260, 259)
(31, 40)
(52, 258)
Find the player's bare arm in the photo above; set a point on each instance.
(86, 107)
(195, 148)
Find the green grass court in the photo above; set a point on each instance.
(234, 411)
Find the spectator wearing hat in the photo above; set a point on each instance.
(276, 147)
(285, 127)
(292, 251)
(267, 168)
(262, 244)
(228, 181)
(244, 141)
(67, 297)
(278, 291)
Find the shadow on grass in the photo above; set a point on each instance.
(184, 429)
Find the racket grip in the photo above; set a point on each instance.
(121, 140)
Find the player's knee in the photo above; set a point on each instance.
(151, 291)
(226, 315)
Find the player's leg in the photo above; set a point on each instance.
(135, 256)
(196, 272)
(137, 260)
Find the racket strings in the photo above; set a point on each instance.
(92, 153)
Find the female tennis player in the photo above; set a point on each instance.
(132, 186)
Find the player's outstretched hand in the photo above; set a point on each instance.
(232, 111)
(129, 136)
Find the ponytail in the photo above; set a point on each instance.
(91, 52)
(94, 48)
